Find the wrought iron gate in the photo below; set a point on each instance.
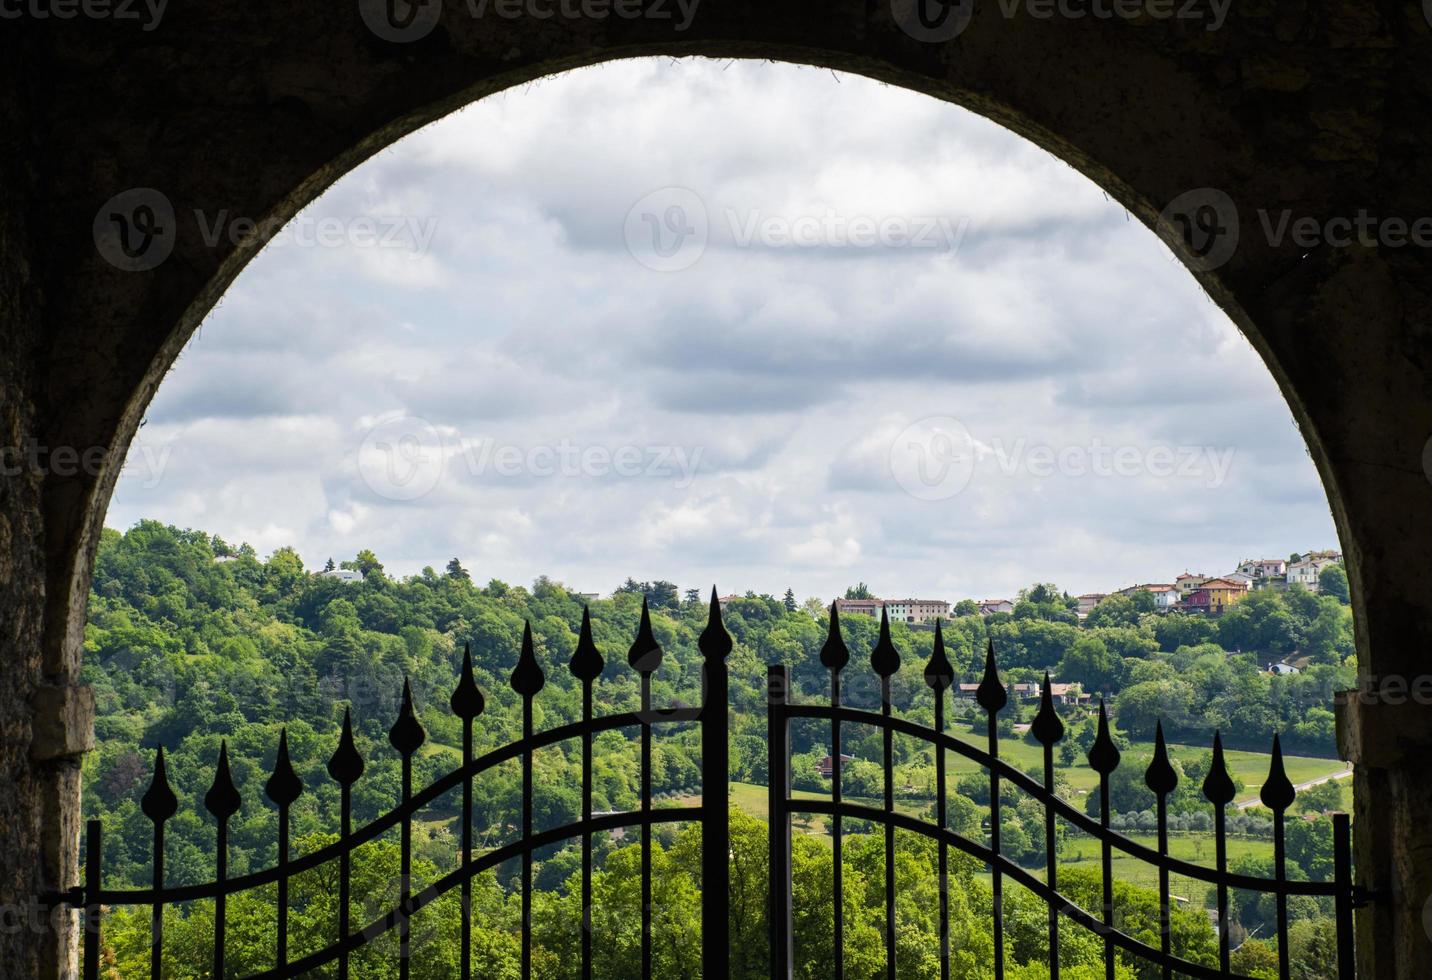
(406, 736)
(1218, 788)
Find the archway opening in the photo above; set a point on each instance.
(794, 324)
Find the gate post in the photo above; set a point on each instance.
(715, 644)
(778, 771)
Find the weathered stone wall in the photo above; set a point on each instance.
(38, 816)
(1318, 110)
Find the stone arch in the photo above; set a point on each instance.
(1285, 110)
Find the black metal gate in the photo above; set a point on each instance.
(406, 736)
(1277, 794)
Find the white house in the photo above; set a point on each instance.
(1088, 601)
(917, 610)
(1307, 571)
(1263, 568)
(347, 576)
(989, 606)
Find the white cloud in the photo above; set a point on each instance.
(509, 313)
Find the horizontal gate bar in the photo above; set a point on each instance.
(1081, 820)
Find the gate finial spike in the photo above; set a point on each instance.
(645, 655)
(1161, 776)
(586, 663)
(834, 655)
(346, 765)
(1047, 727)
(939, 674)
(1103, 754)
(991, 694)
(1277, 793)
(159, 802)
(223, 798)
(467, 701)
(1218, 786)
(714, 642)
(884, 658)
(527, 677)
(284, 786)
(407, 734)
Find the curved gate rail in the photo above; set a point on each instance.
(406, 736)
(1218, 788)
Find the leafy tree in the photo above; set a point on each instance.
(1333, 581)
(455, 571)
(859, 591)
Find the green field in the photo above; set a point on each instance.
(1249, 767)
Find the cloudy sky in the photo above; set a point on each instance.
(746, 323)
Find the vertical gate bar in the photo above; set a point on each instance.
(283, 788)
(467, 703)
(221, 872)
(466, 958)
(1277, 794)
(1161, 778)
(1106, 864)
(1218, 789)
(222, 801)
(1104, 759)
(778, 773)
(1165, 913)
(586, 665)
(715, 645)
(1048, 729)
(939, 676)
(1342, 876)
(344, 767)
(885, 661)
(889, 767)
(345, 874)
(527, 734)
(405, 874)
(527, 679)
(587, 835)
(94, 844)
(158, 804)
(407, 736)
(834, 655)
(1220, 844)
(996, 876)
(942, 820)
(838, 832)
(646, 823)
(156, 914)
(1051, 870)
(992, 696)
(281, 950)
